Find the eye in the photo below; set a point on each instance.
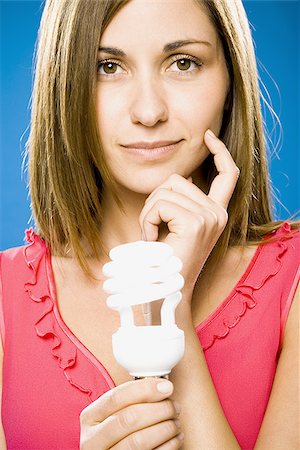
(108, 67)
(185, 63)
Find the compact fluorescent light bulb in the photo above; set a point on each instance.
(139, 273)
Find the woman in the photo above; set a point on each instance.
(146, 121)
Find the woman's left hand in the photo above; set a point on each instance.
(195, 220)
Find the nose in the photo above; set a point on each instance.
(149, 104)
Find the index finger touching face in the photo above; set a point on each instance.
(223, 185)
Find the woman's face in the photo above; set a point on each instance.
(161, 77)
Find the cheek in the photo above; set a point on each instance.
(202, 109)
(107, 108)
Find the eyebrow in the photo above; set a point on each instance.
(171, 46)
(112, 50)
(177, 44)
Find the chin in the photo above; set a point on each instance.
(144, 184)
(142, 189)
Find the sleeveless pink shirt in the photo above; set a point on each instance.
(49, 376)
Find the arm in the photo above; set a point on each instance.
(195, 221)
(280, 427)
(203, 420)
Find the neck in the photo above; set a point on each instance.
(120, 226)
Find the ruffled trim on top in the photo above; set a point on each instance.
(242, 297)
(68, 356)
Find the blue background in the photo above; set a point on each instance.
(276, 31)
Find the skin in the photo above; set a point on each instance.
(156, 96)
(162, 202)
(151, 98)
(149, 101)
(121, 421)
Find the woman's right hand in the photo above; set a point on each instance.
(132, 416)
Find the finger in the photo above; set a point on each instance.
(180, 221)
(223, 185)
(174, 444)
(137, 417)
(176, 217)
(159, 209)
(150, 437)
(172, 197)
(126, 394)
(179, 184)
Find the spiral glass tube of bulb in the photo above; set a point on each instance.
(140, 273)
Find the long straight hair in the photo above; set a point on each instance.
(67, 169)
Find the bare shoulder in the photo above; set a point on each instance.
(280, 428)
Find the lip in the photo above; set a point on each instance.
(151, 151)
(150, 145)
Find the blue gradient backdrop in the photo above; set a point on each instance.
(276, 31)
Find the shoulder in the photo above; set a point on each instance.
(282, 247)
(278, 254)
(14, 261)
(286, 263)
(274, 432)
(281, 257)
(285, 231)
(11, 255)
(22, 270)
(291, 275)
(292, 238)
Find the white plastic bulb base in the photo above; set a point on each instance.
(148, 351)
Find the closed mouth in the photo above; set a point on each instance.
(150, 145)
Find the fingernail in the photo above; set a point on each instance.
(180, 436)
(165, 387)
(210, 133)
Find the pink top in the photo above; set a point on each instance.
(49, 376)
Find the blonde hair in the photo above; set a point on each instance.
(66, 165)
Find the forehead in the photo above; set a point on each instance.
(142, 22)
